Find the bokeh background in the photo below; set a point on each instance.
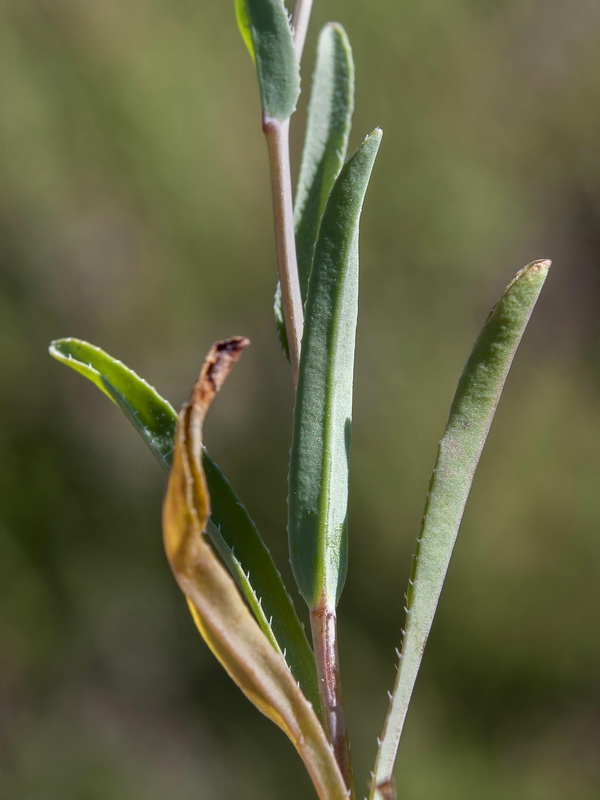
(135, 213)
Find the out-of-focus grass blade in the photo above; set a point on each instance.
(471, 415)
(318, 490)
(231, 529)
(265, 28)
(325, 145)
(220, 614)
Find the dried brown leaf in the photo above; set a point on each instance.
(218, 609)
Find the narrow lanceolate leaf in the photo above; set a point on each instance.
(265, 28)
(326, 142)
(217, 607)
(318, 490)
(230, 529)
(471, 415)
(325, 145)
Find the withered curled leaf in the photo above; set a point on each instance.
(217, 607)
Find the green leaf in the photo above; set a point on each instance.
(327, 131)
(251, 563)
(265, 28)
(318, 490)
(221, 616)
(325, 145)
(471, 415)
(152, 416)
(231, 529)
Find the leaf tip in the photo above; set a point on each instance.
(57, 348)
(243, 21)
(539, 265)
(217, 366)
(376, 136)
(336, 28)
(538, 268)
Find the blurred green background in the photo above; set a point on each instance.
(135, 212)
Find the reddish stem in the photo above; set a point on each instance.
(324, 634)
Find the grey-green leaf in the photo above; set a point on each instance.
(318, 483)
(327, 131)
(325, 145)
(265, 28)
(471, 415)
(230, 528)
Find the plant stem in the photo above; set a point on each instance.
(322, 620)
(278, 145)
(324, 635)
(277, 136)
(300, 18)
